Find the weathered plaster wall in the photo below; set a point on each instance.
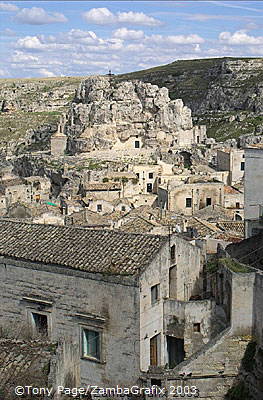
(72, 292)
(253, 190)
(188, 270)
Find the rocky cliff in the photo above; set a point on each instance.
(218, 84)
(226, 94)
(107, 114)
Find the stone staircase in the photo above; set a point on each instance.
(214, 369)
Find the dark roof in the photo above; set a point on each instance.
(103, 251)
(248, 251)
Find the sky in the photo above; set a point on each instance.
(79, 38)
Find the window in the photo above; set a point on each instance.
(155, 293)
(208, 201)
(137, 144)
(237, 205)
(150, 175)
(172, 252)
(188, 202)
(138, 175)
(242, 166)
(91, 344)
(99, 207)
(123, 208)
(173, 282)
(40, 323)
(149, 187)
(196, 327)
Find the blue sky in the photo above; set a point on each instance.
(57, 38)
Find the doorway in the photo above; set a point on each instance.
(175, 350)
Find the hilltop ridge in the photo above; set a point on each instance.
(226, 94)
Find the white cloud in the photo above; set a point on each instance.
(128, 34)
(99, 16)
(175, 39)
(38, 16)
(44, 72)
(8, 7)
(19, 56)
(103, 16)
(30, 43)
(240, 38)
(137, 18)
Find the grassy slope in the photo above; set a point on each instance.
(13, 125)
(190, 80)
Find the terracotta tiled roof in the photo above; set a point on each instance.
(98, 251)
(18, 358)
(86, 218)
(237, 227)
(231, 190)
(138, 224)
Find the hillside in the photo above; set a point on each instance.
(33, 103)
(224, 93)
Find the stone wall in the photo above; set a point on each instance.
(70, 295)
(253, 191)
(180, 318)
(185, 280)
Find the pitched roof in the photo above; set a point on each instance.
(138, 224)
(231, 190)
(87, 218)
(23, 359)
(98, 251)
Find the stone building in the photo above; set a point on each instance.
(34, 189)
(234, 202)
(107, 191)
(40, 188)
(253, 190)
(147, 177)
(188, 198)
(114, 296)
(59, 139)
(233, 161)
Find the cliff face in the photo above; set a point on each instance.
(211, 84)
(224, 94)
(107, 114)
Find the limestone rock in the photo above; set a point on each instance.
(108, 114)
